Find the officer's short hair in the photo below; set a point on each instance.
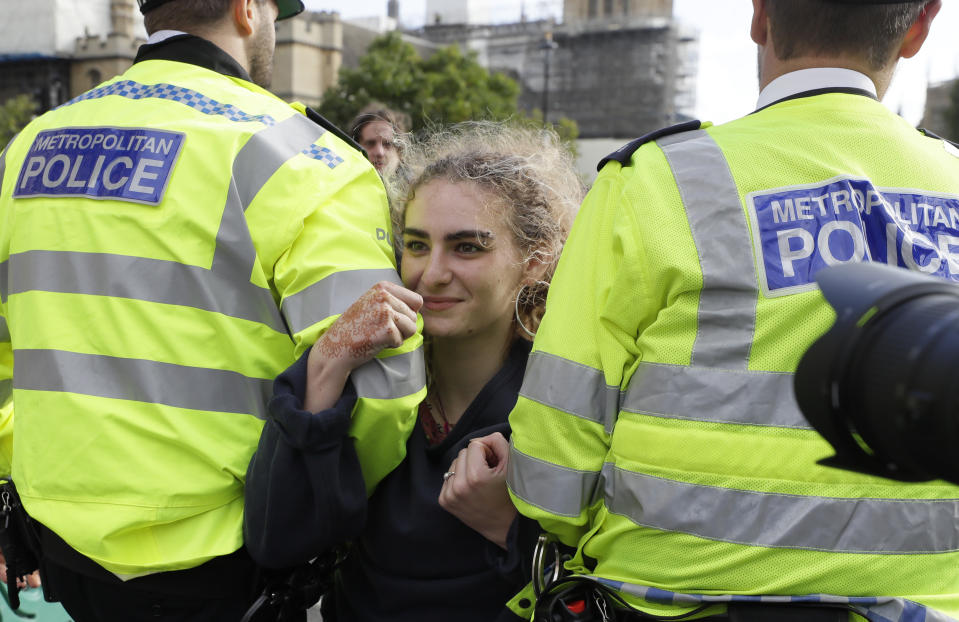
(816, 27)
(187, 15)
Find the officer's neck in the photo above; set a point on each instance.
(227, 41)
(771, 68)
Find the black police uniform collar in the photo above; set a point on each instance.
(191, 49)
(814, 92)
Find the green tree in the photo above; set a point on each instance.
(15, 113)
(457, 88)
(566, 128)
(390, 72)
(447, 87)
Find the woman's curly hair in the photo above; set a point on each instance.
(525, 172)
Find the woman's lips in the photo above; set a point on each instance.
(437, 303)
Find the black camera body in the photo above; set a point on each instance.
(880, 385)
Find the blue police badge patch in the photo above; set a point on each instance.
(799, 230)
(122, 164)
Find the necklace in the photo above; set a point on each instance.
(434, 397)
(433, 420)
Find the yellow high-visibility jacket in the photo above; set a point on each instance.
(170, 241)
(657, 430)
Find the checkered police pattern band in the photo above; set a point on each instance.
(188, 97)
(874, 609)
(324, 155)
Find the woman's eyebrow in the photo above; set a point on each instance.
(482, 236)
(465, 234)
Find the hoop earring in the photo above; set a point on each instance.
(519, 321)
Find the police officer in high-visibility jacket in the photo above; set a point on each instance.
(170, 242)
(656, 430)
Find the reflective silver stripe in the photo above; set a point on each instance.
(3, 266)
(4, 330)
(6, 390)
(331, 296)
(714, 395)
(550, 487)
(727, 305)
(391, 377)
(139, 278)
(847, 525)
(268, 150)
(4, 280)
(571, 387)
(138, 380)
(258, 160)
(225, 288)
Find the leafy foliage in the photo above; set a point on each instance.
(448, 87)
(566, 128)
(391, 72)
(15, 113)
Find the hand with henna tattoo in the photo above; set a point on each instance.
(383, 317)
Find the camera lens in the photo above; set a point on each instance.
(900, 388)
(880, 386)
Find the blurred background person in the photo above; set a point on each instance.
(375, 129)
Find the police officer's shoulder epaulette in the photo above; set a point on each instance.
(624, 154)
(325, 123)
(955, 146)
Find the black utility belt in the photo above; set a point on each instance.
(577, 598)
(221, 577)
(583, 599)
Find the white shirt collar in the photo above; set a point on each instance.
(163, 35)
(804, 80)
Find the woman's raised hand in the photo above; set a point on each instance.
(383, 317)
(476, 491)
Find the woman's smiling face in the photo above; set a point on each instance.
(459, 254)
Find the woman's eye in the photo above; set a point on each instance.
(468, 248)
(415, 245)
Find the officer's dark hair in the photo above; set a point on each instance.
(187, 15)
(817, 27)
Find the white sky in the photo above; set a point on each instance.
(727, 57)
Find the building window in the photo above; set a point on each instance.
(593, 7)
(608, 8)
(95, 77)
(625, 7)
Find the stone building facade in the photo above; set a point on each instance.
(579, 11)
(938, 102)
(96, 58)
(309, 53)
(619, 68)
(73, 46)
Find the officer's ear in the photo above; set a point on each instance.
(244, 16)
(918, 32)
(759, 28)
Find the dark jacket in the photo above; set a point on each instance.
(410, 559)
